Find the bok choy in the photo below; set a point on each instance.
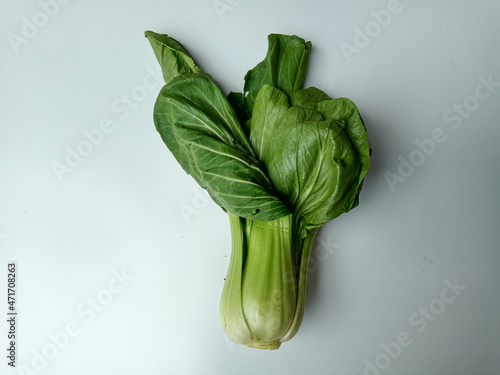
(281, 160)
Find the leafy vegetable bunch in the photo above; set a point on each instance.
(280, 159)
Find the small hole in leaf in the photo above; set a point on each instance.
(256, 211)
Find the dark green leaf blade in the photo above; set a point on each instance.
(200, 128)
(171, 55)
(284, 67)
(237, 101)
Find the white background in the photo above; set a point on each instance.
(127, 207)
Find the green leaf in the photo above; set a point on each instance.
(200, 128)
(346, 114)
(284, 67)
(310, 160)
(270, 105)
(308, 96)
(173, 58)
(237, 101)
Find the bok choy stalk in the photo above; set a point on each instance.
(281, 160)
